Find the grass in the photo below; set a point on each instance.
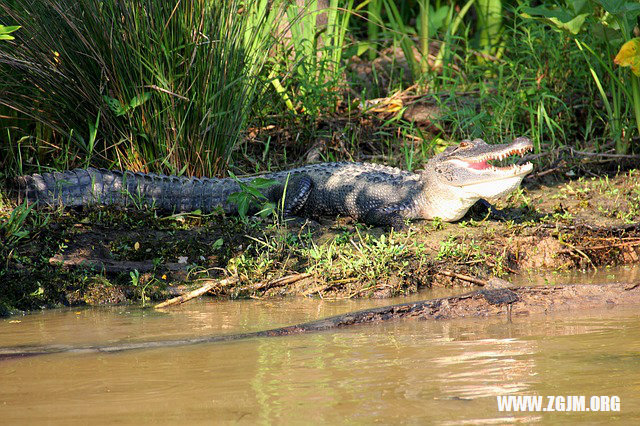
(145, 87)
(136, 85)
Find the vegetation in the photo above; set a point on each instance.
(148, 86)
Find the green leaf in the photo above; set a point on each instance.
(115, 106)
(243, 206)
(139, 100)
(261, 183)
(6, 30)
(267, 210)
(619, 7)
(581, 6)
(217, 244)
(573, 26)
(254, 192)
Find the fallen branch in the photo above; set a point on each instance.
(289, 279)
(462, 277)
(195, 293)
(112, 266)
(607, 246)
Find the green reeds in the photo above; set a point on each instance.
(143, 85)
(311, 55)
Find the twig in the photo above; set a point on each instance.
(168, 92)
(195, 293)
(603, 154)
(462, 277)
(320, 289)
(289, 279)
(606, 246)
(577, 250)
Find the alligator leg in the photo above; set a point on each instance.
(295, 192)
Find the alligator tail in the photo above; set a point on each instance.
(82, 187)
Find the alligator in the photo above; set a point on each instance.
(450, 183)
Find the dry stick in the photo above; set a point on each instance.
(462, 277)
(195, 293)
(580, 252)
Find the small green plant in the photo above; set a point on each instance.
(311, 56)
(597, 27)
(362, 256)
(136, 282)
(13, 228)
(430, 20)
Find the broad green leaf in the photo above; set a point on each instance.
(253, 191)
(243, 207)
(267, 210)
(629, 56)
(217, 244)
(563, 15)
(619, 7)
(581, 6)
(573, 26)
(437, 19)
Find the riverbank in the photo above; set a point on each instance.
(109, 255)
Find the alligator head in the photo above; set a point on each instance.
(465, 173)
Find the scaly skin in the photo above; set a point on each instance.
(374, 194)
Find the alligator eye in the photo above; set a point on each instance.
(464, 145)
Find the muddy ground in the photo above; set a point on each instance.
(103, 255)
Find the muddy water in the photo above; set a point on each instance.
(444, 372)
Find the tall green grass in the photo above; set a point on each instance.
(138, 84)
(310, 55)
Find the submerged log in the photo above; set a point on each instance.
(513, 301)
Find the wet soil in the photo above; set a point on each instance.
(107, 255)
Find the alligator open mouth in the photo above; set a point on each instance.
(495, 161)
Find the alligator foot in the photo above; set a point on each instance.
(493, 211)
